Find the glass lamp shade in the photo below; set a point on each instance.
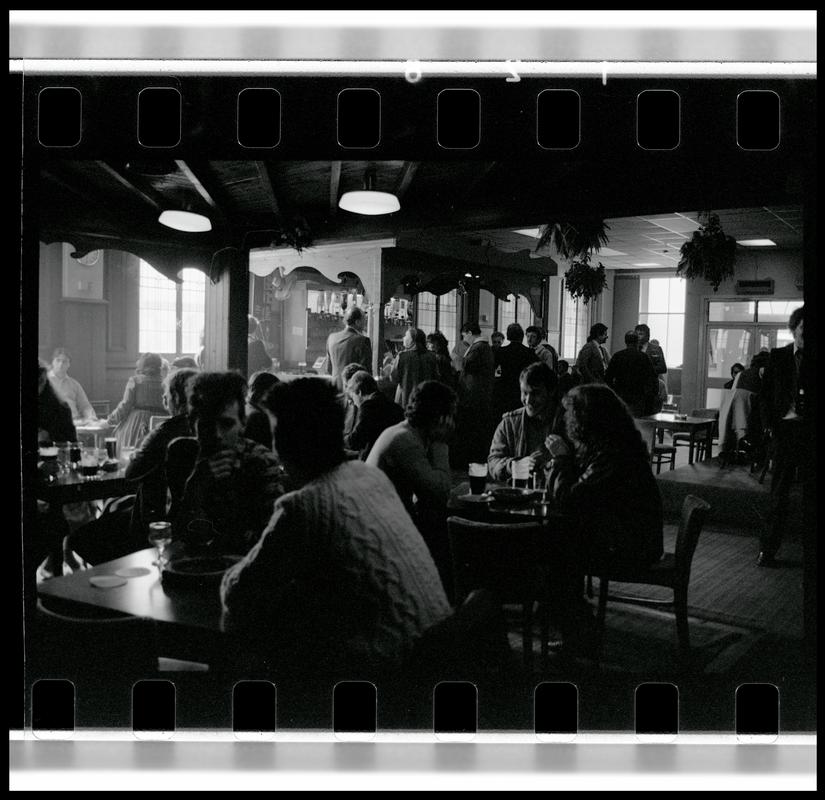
(185, 221)
(369, 202)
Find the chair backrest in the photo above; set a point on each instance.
(708, 413)
(101, 407)
(181, 454)
(647, 429)
(95, 641)
(502, 558)
(472, 639)
(156, 420)
(694, 514)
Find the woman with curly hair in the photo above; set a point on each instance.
(142, 399)
(437, 343)
(601, 476)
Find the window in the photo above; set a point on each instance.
(662, 309)
(516, 308)
(574, 327)
(437, 313)
(171, 314)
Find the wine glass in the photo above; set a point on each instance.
(160, 535)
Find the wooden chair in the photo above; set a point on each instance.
(102, 408)
(672, 571)
(683, 439)
(505, 559)
(471, 641)
(659, 453)
(181, 454)
(92, 640)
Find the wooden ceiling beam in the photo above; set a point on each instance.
(334, 186)
(146, 195)
(206, 185)
(405, 178)
(268, 186)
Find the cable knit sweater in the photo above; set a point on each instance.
(340, 575)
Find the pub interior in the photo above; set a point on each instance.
(288, 280)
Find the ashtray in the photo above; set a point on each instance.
(195, 571)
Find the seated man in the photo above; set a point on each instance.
(415, 456)
(520, 435)
(234, 481)
(340, 578)
(375, 413)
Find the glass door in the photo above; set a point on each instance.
(727, 346)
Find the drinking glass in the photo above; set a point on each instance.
(88, 462)
(126, 454)
(160, 535)
(521, 472)
(478, 478)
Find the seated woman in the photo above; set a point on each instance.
(148, 466)
(340, 578)
(142, 399)
(257, 427)
(601, 477)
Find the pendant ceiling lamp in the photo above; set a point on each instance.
(368, 200)
(187, 221)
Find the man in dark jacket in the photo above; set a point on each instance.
(376, 413)
(631, 375)
(652, 349)
(348, 346)
(510, 361)
(784, 415)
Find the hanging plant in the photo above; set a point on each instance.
(295, 233)
(710, 254)
(574, 239)
(584, 282)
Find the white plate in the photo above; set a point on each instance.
(132, 572)
(106, 581)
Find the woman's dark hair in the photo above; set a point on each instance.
(259, 384)
(208, 393)
(539, 374)
(599, 419)
(599, 329)
(439, 342)
(797, 316)
(428, 402)
(471, 327)
(176, 386)
(736, 368)
(149, 364)
(309, 429)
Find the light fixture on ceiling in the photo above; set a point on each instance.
(367, 200)
(187, 221)
(756, 242)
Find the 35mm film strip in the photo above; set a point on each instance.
(477, 165)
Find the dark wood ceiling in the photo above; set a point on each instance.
(468, 209)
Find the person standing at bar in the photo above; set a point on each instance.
(475, 423)
(784, 416)
(510, 362)
(593, 358)
(348, 346)
(413, 365)
(630, 374)
(544, 350)
(652, 349)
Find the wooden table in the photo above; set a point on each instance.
(72, 487)
(689, 425)
(496, 512)
(190, 621)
